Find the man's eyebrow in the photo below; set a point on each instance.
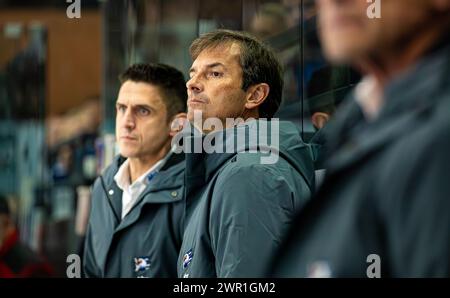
(137, 105)
(215, 64)
(145, 106)
(193, 69)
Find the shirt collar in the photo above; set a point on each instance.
(369, 97)
(122, 176)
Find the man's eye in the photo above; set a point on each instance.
(143, 112)
(121, 108)
(216, 74)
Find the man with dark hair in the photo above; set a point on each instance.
(238, 203)
(256, 67)
(167, 78)
(137, 214)
(383, 209)
(16, 259)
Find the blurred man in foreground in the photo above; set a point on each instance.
(384, 206)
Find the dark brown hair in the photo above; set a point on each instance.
(169, 79)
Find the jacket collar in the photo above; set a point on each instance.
(167, 179)
(201, 167)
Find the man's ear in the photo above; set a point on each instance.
(177, 124)
(319, 119)
(256, 95)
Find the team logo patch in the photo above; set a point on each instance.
(187, 258)
(141, 264)
(151, 176)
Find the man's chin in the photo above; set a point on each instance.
(344, 54)
(127, 154)
(344, 46)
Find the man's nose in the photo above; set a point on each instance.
(194, 84)
(128, 119)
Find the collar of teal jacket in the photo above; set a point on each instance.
(263, 137)
(169, 177)
(168, 185)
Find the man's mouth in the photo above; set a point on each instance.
(128, 138)
(196, 101)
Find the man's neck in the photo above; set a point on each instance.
(246, 116)
(138, 166)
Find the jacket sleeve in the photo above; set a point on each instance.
(420, 226)
(251, 209)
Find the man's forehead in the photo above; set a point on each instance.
(224, 53)
(140, 93)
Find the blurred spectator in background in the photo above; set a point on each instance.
(16, 259)
(294, 9)
(327, 89)
(280, 25)
(270, 24)
(269, 20)
(83, 119)
(25, 76)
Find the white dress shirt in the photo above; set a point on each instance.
(369, 96)
(132, 192)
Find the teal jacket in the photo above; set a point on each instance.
(146, 242)
(238, 207)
